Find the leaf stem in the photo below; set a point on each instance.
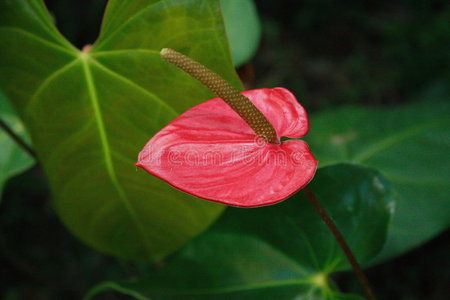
(17, 139)
(342, 243)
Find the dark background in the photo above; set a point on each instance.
(329, 53)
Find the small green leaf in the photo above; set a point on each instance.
(90, 112)
(409, 145)
(243, 29)
(280, 252)
(13, 159)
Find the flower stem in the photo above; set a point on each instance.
(216, 84)
(17, 139)
(342, 243)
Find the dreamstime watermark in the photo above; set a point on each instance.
(258, 152)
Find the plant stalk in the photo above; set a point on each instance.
(342, 243)
(17, 139)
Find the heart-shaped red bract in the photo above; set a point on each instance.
(210, 152)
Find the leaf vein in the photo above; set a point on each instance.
(39, 39)
(125, 51)
(108, 155)
(47, 81)
(129, 20)
(242, 287)
(135, 85)
(395, 139)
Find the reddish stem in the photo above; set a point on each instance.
(342, 243)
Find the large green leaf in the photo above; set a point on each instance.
(278, 252)
(90, 112)
(243, 29)
(13, 159)
(409, 145)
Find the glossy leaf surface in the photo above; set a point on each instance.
(409, 146)
(211, 152)
(243, 29)
(89, 113)
(278, 252)
(13, 159)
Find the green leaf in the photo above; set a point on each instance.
(13, 159)
(90, 112)
(409, 145)
(243, 29)
(280, 252)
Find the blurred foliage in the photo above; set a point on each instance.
(420, 274)
(39, 258)
(372, 52)
(280, 252)
(328, 53)
(409, 145)
(13, 159)
(243, 29)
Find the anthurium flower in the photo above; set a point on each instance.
(211, 152)
(230, 149)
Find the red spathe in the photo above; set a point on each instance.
(210, 152)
